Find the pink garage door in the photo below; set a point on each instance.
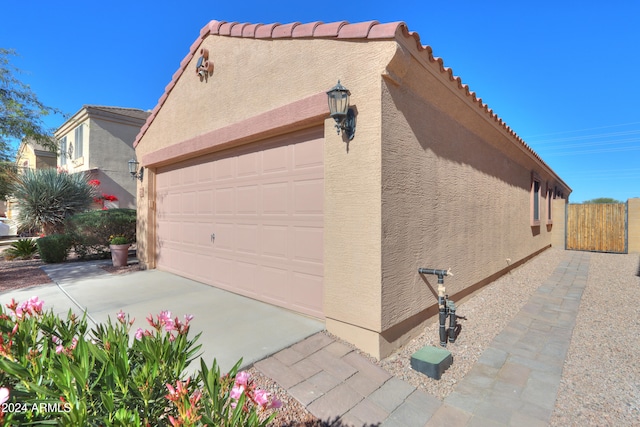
(248, 220)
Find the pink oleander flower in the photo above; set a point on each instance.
(195, 397)
(164, 317)
(236, 392)
(59, 348)
(275, 403)
(261, 397)
(139, 333)
(4, 395)
(35, 304)
(242, 378)
(121, 315)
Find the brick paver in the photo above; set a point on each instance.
(516, 379)
(514, 382)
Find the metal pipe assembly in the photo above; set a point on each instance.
(447, 307)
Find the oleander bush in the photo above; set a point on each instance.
(55, 371)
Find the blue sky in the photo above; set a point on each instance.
(565, 78)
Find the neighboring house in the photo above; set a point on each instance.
(247, 186)
(30, 155)
(99, 140)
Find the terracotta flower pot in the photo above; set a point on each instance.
(119, 254)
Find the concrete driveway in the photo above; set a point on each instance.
(232, 326)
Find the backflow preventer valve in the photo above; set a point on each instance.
(447, 307)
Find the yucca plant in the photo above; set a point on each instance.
(46, 198)
(22, 249)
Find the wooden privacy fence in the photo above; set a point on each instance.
(597, 227)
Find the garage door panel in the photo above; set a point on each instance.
(275, 160)
(224, 201)
(275, 198)
(224, 237)
(188, 205)
(307, 292)
(205, 172)
(265, 204)
(191, 232)
(308, 196)
(246, 278)
(189, 175)
(222, 271)
(247, 200)
(247, 165)
(274, 241)
(307, 154)
(246, 239)
(273, 284)
(307, 244)
(224, 169)
(205, 202)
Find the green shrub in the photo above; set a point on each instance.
(92, 230)
(22, 249)
(106, 377)
(54, 248)
(118, 240)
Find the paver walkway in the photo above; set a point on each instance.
(514, 382)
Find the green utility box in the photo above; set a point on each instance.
(431, 361)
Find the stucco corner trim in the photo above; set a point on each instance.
(296, 115)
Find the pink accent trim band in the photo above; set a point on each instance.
(297, 115)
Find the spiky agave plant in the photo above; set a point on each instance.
(22, 249)
(46, 198)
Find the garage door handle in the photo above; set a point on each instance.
(213, 237)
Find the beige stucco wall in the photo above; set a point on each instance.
(455, 194)
(111, 153)
(633, 231)
(252, 77)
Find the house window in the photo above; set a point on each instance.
(535, 199)
(79, 142)
(63, 151)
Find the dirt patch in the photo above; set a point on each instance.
(19, 274)
(121, 270)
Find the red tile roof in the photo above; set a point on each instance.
(337, 30)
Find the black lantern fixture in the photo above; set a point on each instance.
(133, 169)
(339, 108)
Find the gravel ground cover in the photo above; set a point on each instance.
(600, 383)
(488, 312)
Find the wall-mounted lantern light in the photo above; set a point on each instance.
(133, 169)
(339, 108)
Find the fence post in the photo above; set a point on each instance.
(633, 225)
